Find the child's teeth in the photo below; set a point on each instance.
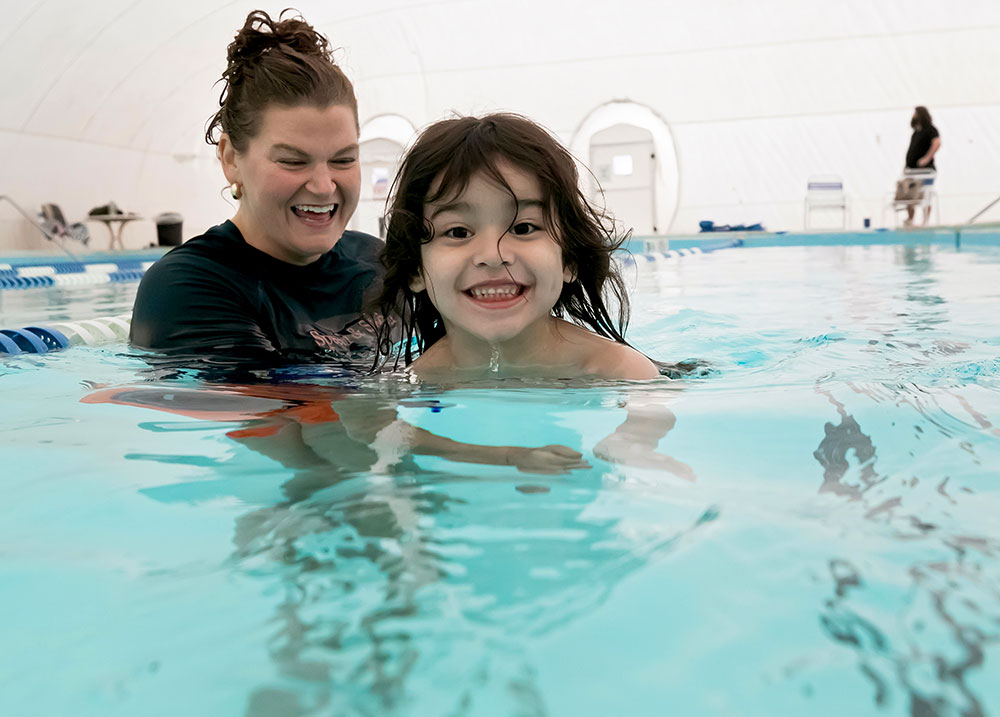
(493, 291)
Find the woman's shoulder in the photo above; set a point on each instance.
(215, 242)
(359, 246)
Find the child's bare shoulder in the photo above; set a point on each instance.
(433, 361)
(614, 360)
(605, 358)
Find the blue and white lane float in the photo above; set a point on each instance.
(70, 273)
(653, 258)
(63, 334)
(110, 329)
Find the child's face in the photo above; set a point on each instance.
(491, 278)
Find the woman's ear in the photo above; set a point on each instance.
(569, 274)
(417, 283)
(227, 155)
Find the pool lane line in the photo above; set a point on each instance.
(61, 335)
(67, 273)
(645, 258)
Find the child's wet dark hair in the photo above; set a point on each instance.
(440, 165)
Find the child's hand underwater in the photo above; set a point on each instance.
(619, 449)
(547, 459)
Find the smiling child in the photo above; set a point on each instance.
(490, 244)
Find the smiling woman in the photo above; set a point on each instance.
(298, 179)
(282, 281)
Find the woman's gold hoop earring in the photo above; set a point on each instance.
(236, 190)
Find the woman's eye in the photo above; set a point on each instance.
(345, 161)
(524, 228)
(458, 233)
(291, 162)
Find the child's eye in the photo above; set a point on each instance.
(524, 228)
(345, 161)
(458, 233)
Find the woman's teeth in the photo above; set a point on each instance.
(314, 209)
(498, 291)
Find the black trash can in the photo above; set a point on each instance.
(168, 229)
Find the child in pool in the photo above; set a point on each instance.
(490, 243)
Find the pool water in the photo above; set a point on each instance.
(806, 525)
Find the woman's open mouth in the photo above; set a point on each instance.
(317, 214)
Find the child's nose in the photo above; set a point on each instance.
(491, 250)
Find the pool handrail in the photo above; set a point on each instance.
(47, 234)
(983, 211)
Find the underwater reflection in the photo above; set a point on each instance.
(401, 562)
(927, 640)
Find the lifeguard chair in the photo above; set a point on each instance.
(915, 189)
(825, 192)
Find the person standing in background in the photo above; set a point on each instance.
(924, 144)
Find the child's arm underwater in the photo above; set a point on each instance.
(375, 423)
(634, 442)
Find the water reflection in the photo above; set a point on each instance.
(419, 584)
(396, 570)
(928, 640)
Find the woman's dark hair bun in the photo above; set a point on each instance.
(281, 61)
(260, 34)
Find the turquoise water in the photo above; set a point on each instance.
(811, 529)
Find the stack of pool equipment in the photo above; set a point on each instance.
(52, 337)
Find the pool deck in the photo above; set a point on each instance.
(955, 236)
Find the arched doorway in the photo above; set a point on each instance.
(623, 159)
(382, 142)
(631, 151)
(378, 158)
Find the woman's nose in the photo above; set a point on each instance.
(321, 181)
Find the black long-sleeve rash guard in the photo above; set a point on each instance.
(215, 295)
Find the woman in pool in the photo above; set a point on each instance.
(282, 281)
(490, 243)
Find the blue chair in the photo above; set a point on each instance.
(55, 224)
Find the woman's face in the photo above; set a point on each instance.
(300, 178)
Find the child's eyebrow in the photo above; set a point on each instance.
(461, 207)
(452, 207)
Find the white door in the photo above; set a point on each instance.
(623, 159)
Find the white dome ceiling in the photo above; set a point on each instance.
(738, 83)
